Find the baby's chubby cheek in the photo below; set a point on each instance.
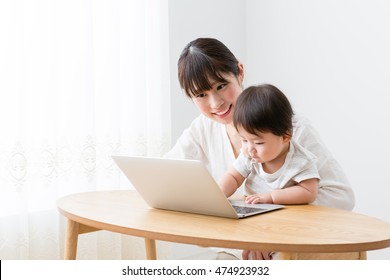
(245, 151)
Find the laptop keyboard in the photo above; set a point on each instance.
(246, 210)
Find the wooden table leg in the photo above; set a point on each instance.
(150, 246)
(288, 256)
(72, 234)
(363, 255)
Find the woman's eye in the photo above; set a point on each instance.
(221, 86)
(200, 95)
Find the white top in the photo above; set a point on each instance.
(207, 140)
(298, 166)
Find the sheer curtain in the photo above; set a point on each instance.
(79, 81)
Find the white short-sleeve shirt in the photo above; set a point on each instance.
(298, 166)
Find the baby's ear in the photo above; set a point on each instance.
(287, 137)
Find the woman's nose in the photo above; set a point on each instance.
(215, 101)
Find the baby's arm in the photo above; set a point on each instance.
(230, 181)
(301, 193)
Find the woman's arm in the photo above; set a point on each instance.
(230, 181)
(334, 188)
(188, 145)
(301, 193)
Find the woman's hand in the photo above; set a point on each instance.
(256, 255)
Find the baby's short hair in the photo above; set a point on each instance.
(263, 108)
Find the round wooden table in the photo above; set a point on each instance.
(297, 232)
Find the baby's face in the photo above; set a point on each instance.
(263, 146)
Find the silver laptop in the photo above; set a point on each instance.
(183, 185)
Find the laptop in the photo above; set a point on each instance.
(185, 186)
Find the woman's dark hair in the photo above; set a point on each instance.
(263, 108)
(202, 60)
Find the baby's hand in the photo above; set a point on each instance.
(259, 198)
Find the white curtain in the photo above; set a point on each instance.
(80, 80)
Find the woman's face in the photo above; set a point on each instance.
(218, 103)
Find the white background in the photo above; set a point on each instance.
(113, 270)
(331, 58)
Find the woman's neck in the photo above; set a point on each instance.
(234, 138)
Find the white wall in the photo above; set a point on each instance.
(330, 57)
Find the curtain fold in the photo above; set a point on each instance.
(79, 82)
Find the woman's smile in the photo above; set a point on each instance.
(223, 114)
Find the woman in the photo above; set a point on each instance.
(213, 78)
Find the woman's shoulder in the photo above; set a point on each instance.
(203, 124)
(301, 152)
(197, 141)
(303, 128)
(307, 136)
(300, 121)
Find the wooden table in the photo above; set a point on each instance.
(294, 231)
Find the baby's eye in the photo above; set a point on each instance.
(259, 143)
